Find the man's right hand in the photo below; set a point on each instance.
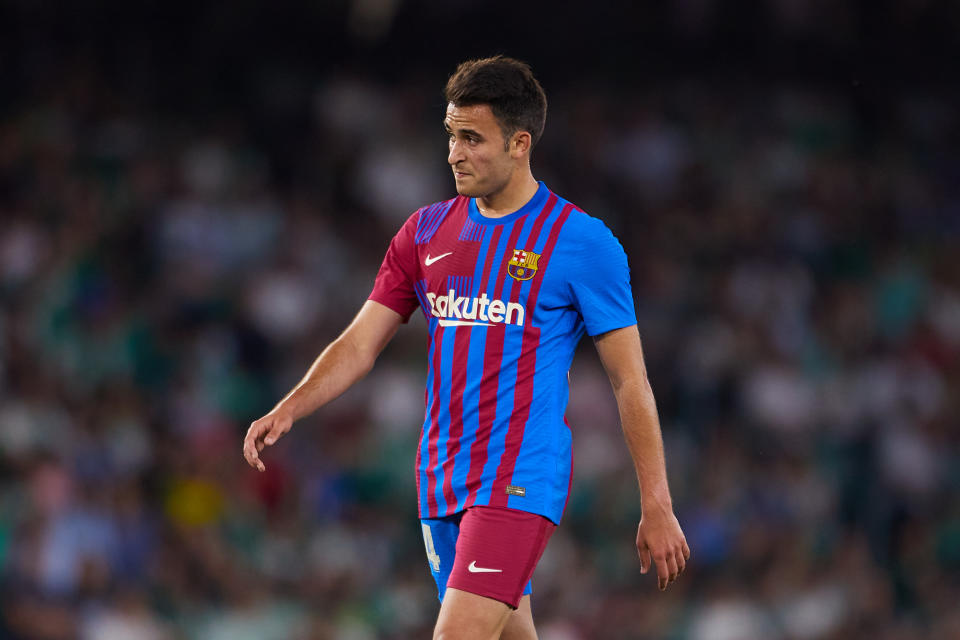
(342, 363)
(263, 433)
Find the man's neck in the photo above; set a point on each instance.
(509, 199)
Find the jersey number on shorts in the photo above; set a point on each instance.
(431, 551)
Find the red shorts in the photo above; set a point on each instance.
(497, 550)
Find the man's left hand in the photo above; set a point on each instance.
(659, 537)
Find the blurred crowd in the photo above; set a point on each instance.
(795, 255)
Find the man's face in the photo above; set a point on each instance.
(478, 156)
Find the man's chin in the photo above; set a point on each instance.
(467, 188)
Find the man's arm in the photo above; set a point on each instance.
(342, 363)
(659, 534)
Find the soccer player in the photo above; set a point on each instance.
(509, 276)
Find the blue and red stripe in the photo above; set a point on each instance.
(489, 379)
(461, 350)
(450, 416)
(526, 368)
(473, 368)
(420, 288)
(507, 400)
(471, 231)
(496, 389)
(428, 443)
(430, 219)
(472, 384)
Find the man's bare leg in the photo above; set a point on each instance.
(520, 623)
(467, 616)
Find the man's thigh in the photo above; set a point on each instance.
(467, 616)
(519, 625)
(486, 551)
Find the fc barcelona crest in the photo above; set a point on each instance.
(523, 264)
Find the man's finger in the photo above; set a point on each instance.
(251, 447)
(250, 453)
(277, 429)
(273, 435)
(258, 463)
(681, 561)
(686, 550)
(672, 569)
(663, 572)
(644, 560)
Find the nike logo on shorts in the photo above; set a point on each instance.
(429, 261)
(473, 568)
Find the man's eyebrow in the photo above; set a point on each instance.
(466, 132)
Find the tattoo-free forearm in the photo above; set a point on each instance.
(340, 365)
(641, 430)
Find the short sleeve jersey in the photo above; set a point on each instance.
(506, 302)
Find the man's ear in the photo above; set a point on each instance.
(520, 144)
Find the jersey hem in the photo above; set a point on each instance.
(393, 307)
(613, 326)
(535, 511)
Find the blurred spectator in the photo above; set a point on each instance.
(167, 271)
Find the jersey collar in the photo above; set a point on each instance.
(534, 204)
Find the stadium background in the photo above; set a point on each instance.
(194, 200)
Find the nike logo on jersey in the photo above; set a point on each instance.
(429, 261)
(473, 568)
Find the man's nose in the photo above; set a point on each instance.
(456, 153)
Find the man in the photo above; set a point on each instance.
(509, 276)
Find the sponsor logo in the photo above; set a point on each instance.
(473, 568)
(459, 311)
(429, 261)
(516, 491)
(523, 264)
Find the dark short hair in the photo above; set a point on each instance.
(508, 86)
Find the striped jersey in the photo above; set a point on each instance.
(506, 301)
